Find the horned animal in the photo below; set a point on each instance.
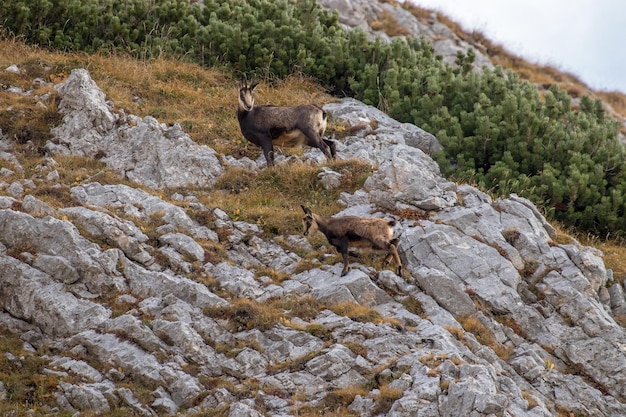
(266, 126)
(352, 231)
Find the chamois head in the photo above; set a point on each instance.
(246, 94)
(308, 222)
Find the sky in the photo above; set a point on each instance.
(584, 37)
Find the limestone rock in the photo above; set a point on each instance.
(409, 179)
(143, 150)
(184, 245)
(123, 234)
(138, 203)
(378, 131)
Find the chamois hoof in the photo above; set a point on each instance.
(344, 272)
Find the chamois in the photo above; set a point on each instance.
(266, 126)
(346, 231)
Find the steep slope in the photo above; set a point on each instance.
(388, 19)
(144, 299)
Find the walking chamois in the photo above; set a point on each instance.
(352, 231)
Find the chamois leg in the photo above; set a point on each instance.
(393, 254)
(343, 248)
(314, 140)
(387, 260)
(268, 151)
(326, 149)
(396, 257)
(332, 146)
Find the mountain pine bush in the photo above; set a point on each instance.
(498, 131)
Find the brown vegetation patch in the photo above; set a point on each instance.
(340, 398)
(388, 24)
(484, 336)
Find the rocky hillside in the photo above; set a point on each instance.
(137, 296)
(388, 19)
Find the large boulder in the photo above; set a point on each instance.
(375, 130)
(33, 296)
(143, 150)
(68, 256)
(409, 179)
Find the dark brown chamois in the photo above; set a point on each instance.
(352, 231)
(266, 126)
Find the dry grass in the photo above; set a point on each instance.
(388, 24)
(484, 336)
(305, 410)
(305, 308)
(247, 314)
(294, 365)
(616, 99)
(342, 397)
(23, 374)
(271, 198)
(414, 306)
(530, 399)
(433, 360)
(385, 399)
(357, 312)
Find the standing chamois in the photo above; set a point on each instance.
(266, 126)
(346, 231)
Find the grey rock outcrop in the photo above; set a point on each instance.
(143, 150)
(409, 180)
(61, 241)
(361, 14)
(380, 129)
(139, 204)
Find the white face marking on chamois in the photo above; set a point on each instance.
(309, 225)
(246, 98)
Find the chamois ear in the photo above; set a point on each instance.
(253, 86)
(305, 209)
